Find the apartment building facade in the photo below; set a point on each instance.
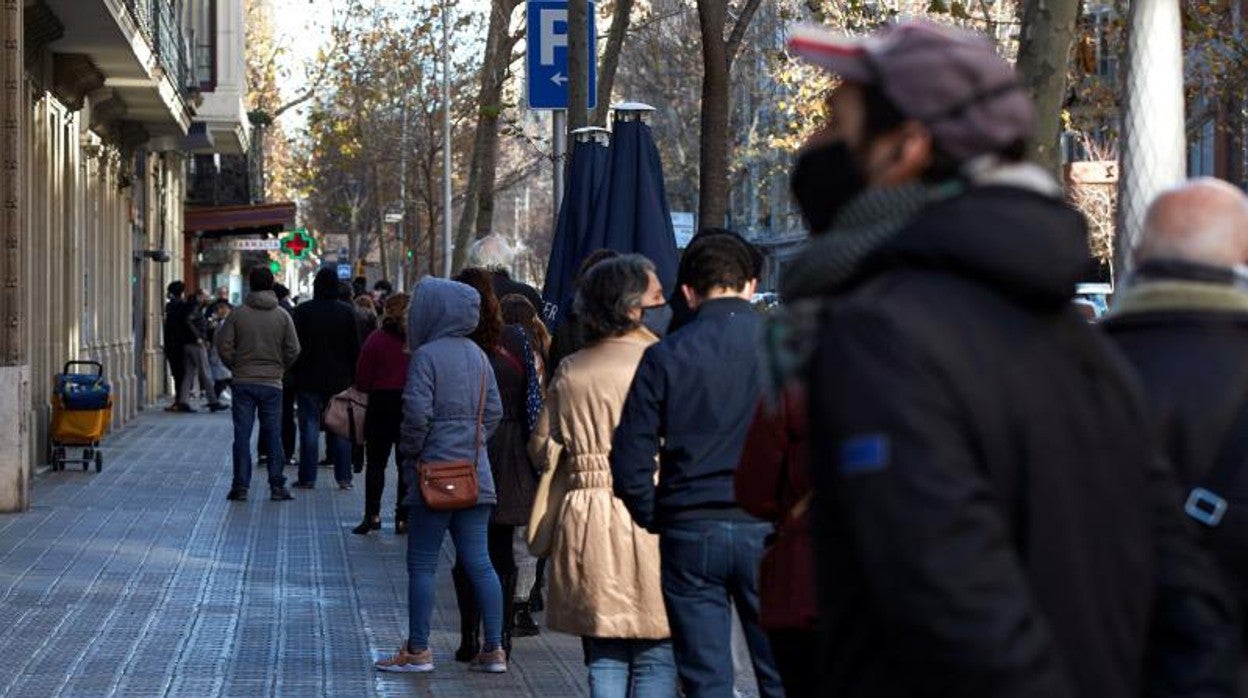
(101, 104)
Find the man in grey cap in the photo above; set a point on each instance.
(992, 519)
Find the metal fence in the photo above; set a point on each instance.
(159, 24)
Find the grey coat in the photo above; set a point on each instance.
(444, 377)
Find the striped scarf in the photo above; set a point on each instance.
(829, 262)
(863, 226)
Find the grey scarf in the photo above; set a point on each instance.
(830, 261)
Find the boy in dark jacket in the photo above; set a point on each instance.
(330, 339)
(691, 403)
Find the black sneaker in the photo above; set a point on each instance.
(218, 407)
(237, 494)
(305, 485)
(280, 494)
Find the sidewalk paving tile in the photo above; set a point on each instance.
(144, 581)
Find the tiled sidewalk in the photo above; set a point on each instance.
(143, 580)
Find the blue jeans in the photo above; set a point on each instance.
(311, 405)
(250, 399)
(621, 668)
(707, 567)
(426, 529)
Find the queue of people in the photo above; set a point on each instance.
(926, 474)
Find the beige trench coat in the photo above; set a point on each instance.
(604, 569)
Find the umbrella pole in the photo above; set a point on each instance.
(559, 145)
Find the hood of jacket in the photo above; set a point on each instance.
(261, 300)
(1022, 242)
(325, 285)
(442, 308)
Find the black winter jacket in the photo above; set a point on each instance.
(1185, 330)
(993, 520)
(329, 335)
(691, 402)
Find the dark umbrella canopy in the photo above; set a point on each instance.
(587, 176)
(634, 217)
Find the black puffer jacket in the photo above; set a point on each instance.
(330, 337)
(992, 518)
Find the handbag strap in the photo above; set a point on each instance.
(476, 451)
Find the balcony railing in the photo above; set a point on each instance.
(159, 25)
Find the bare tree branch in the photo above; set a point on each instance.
(314, 87)
(738, 30)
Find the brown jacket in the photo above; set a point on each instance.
(604, 569)
(258, 341)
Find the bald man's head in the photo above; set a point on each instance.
(1203, 221)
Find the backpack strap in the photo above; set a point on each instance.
(1217, 491)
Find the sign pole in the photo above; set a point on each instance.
(559, 143)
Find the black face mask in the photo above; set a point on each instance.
(656, 318)
(823, 181)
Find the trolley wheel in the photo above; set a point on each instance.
(99, 461)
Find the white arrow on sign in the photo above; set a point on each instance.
(558, 79)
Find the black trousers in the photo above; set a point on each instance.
(375, 480)
(288, 423)
(177, 366)
(499, 539)
(381, 431)
(797, 658)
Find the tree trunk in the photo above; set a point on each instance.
(1048, 34)
(713, 161)
(718, 53)
(379, 203)
(477, 215)
(578, 65)
(258, 137)
(611, 60)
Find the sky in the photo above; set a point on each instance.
(303, 27)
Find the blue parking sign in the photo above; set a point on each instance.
(546, 62)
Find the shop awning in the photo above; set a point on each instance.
(217, 221)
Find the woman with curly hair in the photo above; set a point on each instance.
(514, 476)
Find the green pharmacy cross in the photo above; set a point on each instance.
(297, 243)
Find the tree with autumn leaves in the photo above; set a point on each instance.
(732, 105)
(374, 133)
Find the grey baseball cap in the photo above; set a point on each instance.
(952, 81)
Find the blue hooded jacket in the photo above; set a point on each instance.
(444, 378)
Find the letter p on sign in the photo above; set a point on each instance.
(551, 37)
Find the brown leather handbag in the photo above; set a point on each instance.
(452, 485)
